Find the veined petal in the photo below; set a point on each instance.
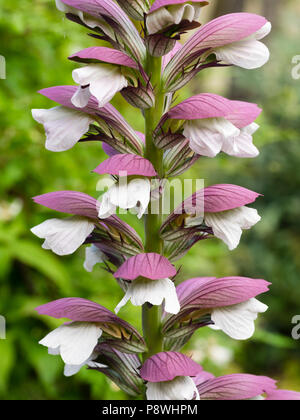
(207, 135)
(93, 256)
(104, 81)
(141, 291)
(242, 145)
(76, 341)
(64, 127)
(237, 321)
(180, 388)
(248, 54)
(64, 236)
(228, 225)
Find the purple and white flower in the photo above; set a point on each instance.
(233, 38)
(103, 77)
(230, 301)
(76, 341)
(66, 124)
(148, 275)
(64, 236)
(127, 193)
(169, 377)
(222, 208)
(214, 124)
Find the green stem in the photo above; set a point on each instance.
(151, 316)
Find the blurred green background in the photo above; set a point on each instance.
(35, 40)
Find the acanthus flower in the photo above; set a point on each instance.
(132, 193)
(66, 124)
(77, 341)
(148, 275)
(64, 236)
(228, 304)
(169, 377)
(213, 124)
(219, 210)
(233, 39)
(103, 77)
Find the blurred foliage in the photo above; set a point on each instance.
(35, 42)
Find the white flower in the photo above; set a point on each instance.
(227, 225)
(210, 136)
(93, 256)
(237, 321)
(75, 341)
(170, 15)
(180, 388)
(64, 236)
(64, 127)
(141, 291)
(248, 53)
(134, 195)
(100, 80)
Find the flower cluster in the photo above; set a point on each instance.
(147, 67)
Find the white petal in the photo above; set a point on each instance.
(248, 54)
(75, 340)
(53, 352)
(173, 14)
(81, 97)
(70, 370)
(106, 208)
(237, 321)
(141, 291)
(93, 256)
(64, 236)
(139, 189)
(207, 136)
(180, 388)
(64, 127)
(104, 80)
(242, 145)
(264, 31)
(126, 196)
(228, 225)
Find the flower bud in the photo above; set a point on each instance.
(159, 44)
(140, 97)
